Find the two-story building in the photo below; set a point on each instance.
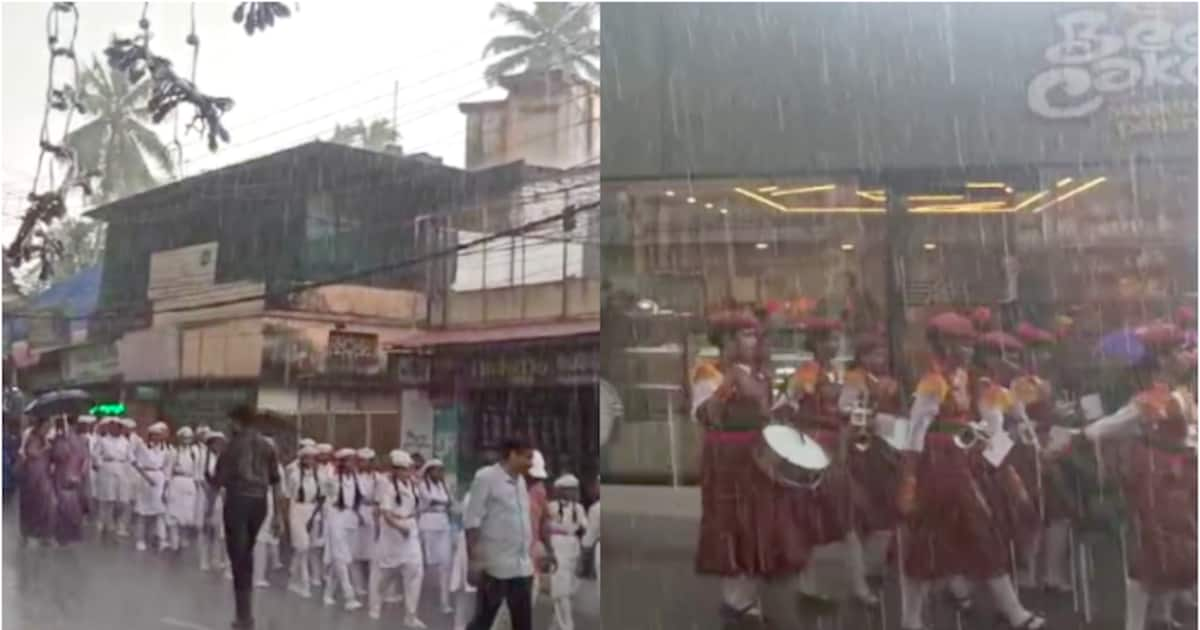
(281, 281)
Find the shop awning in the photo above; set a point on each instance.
(493, 334)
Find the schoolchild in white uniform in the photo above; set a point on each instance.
(111, 457)
(364, 547)
(129, 479)
(436, 541)
(343, 499)
(181, 489)
(268, 536)
(212, 529)
(568, 522)
(326, 469)
(398, 547)
(85, 426)
(304, 521)
(150, 461)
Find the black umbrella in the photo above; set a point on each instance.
(61, 401)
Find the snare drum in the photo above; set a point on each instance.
(789, 457)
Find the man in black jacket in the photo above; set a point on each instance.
(246, 470)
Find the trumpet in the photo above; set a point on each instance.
(970, 436)
(860, 427)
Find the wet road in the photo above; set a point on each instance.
(650, 584)
(97, 586)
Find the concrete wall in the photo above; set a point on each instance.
(550, 125)
(528, 302)
(395, 304)
(228, 349)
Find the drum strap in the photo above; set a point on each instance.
(947, 428)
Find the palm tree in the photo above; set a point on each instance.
(377, 136)
(117, 142)
(348, 134)
(556, 36)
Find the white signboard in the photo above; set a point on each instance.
(176, 272)
(90, 364)
(416, 422)
(1103, 56)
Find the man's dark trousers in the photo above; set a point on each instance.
(243, 517)
(516, 592)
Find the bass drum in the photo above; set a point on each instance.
(789, 457)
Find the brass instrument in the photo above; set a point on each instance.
(971, 436)
(861, 430)
(1026, 433)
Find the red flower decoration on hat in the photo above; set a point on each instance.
(1000, 340)
(817, 324)
(1159, 334)
(982, 317)
(1185, 316)
(1034, 336)
(951, 323)
(733, 319)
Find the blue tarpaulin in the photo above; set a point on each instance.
(76, 296)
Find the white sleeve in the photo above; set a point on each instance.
(473, 515)
(923, 412)
(1123, 422)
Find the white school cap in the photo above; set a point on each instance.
(567, 481)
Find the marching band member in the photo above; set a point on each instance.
(343, 521)
(435, 505)
(568, 522)
(1041, 470)
(811, 404)
(209, 520)
(304, 521)
(360, 569)
(872, 462)
(326, 466)
(112, 453)
(150, 462)
(464, 601)
(398, 547)
(748, 528)
(998, 357)
(1157, 469)
(181, 490)
(950, 532)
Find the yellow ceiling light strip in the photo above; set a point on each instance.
(761, 199)
(984, 185)
(801, 191)
(768, 189)
(834, 210)
(872, 195)
(1071, 193)
(1031, 200)
(935, 197)
(981, 207)
(1064, 181)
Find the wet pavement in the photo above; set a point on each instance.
(96, 586)
(650, 583)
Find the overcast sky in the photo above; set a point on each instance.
(330, 63)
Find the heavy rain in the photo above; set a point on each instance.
(301, 315)
(899, 319)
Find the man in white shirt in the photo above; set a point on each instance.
(499, 536)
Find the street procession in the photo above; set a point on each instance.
(979, 481)
(349, 528)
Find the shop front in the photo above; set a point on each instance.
(537, 382)
(1039, 160)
